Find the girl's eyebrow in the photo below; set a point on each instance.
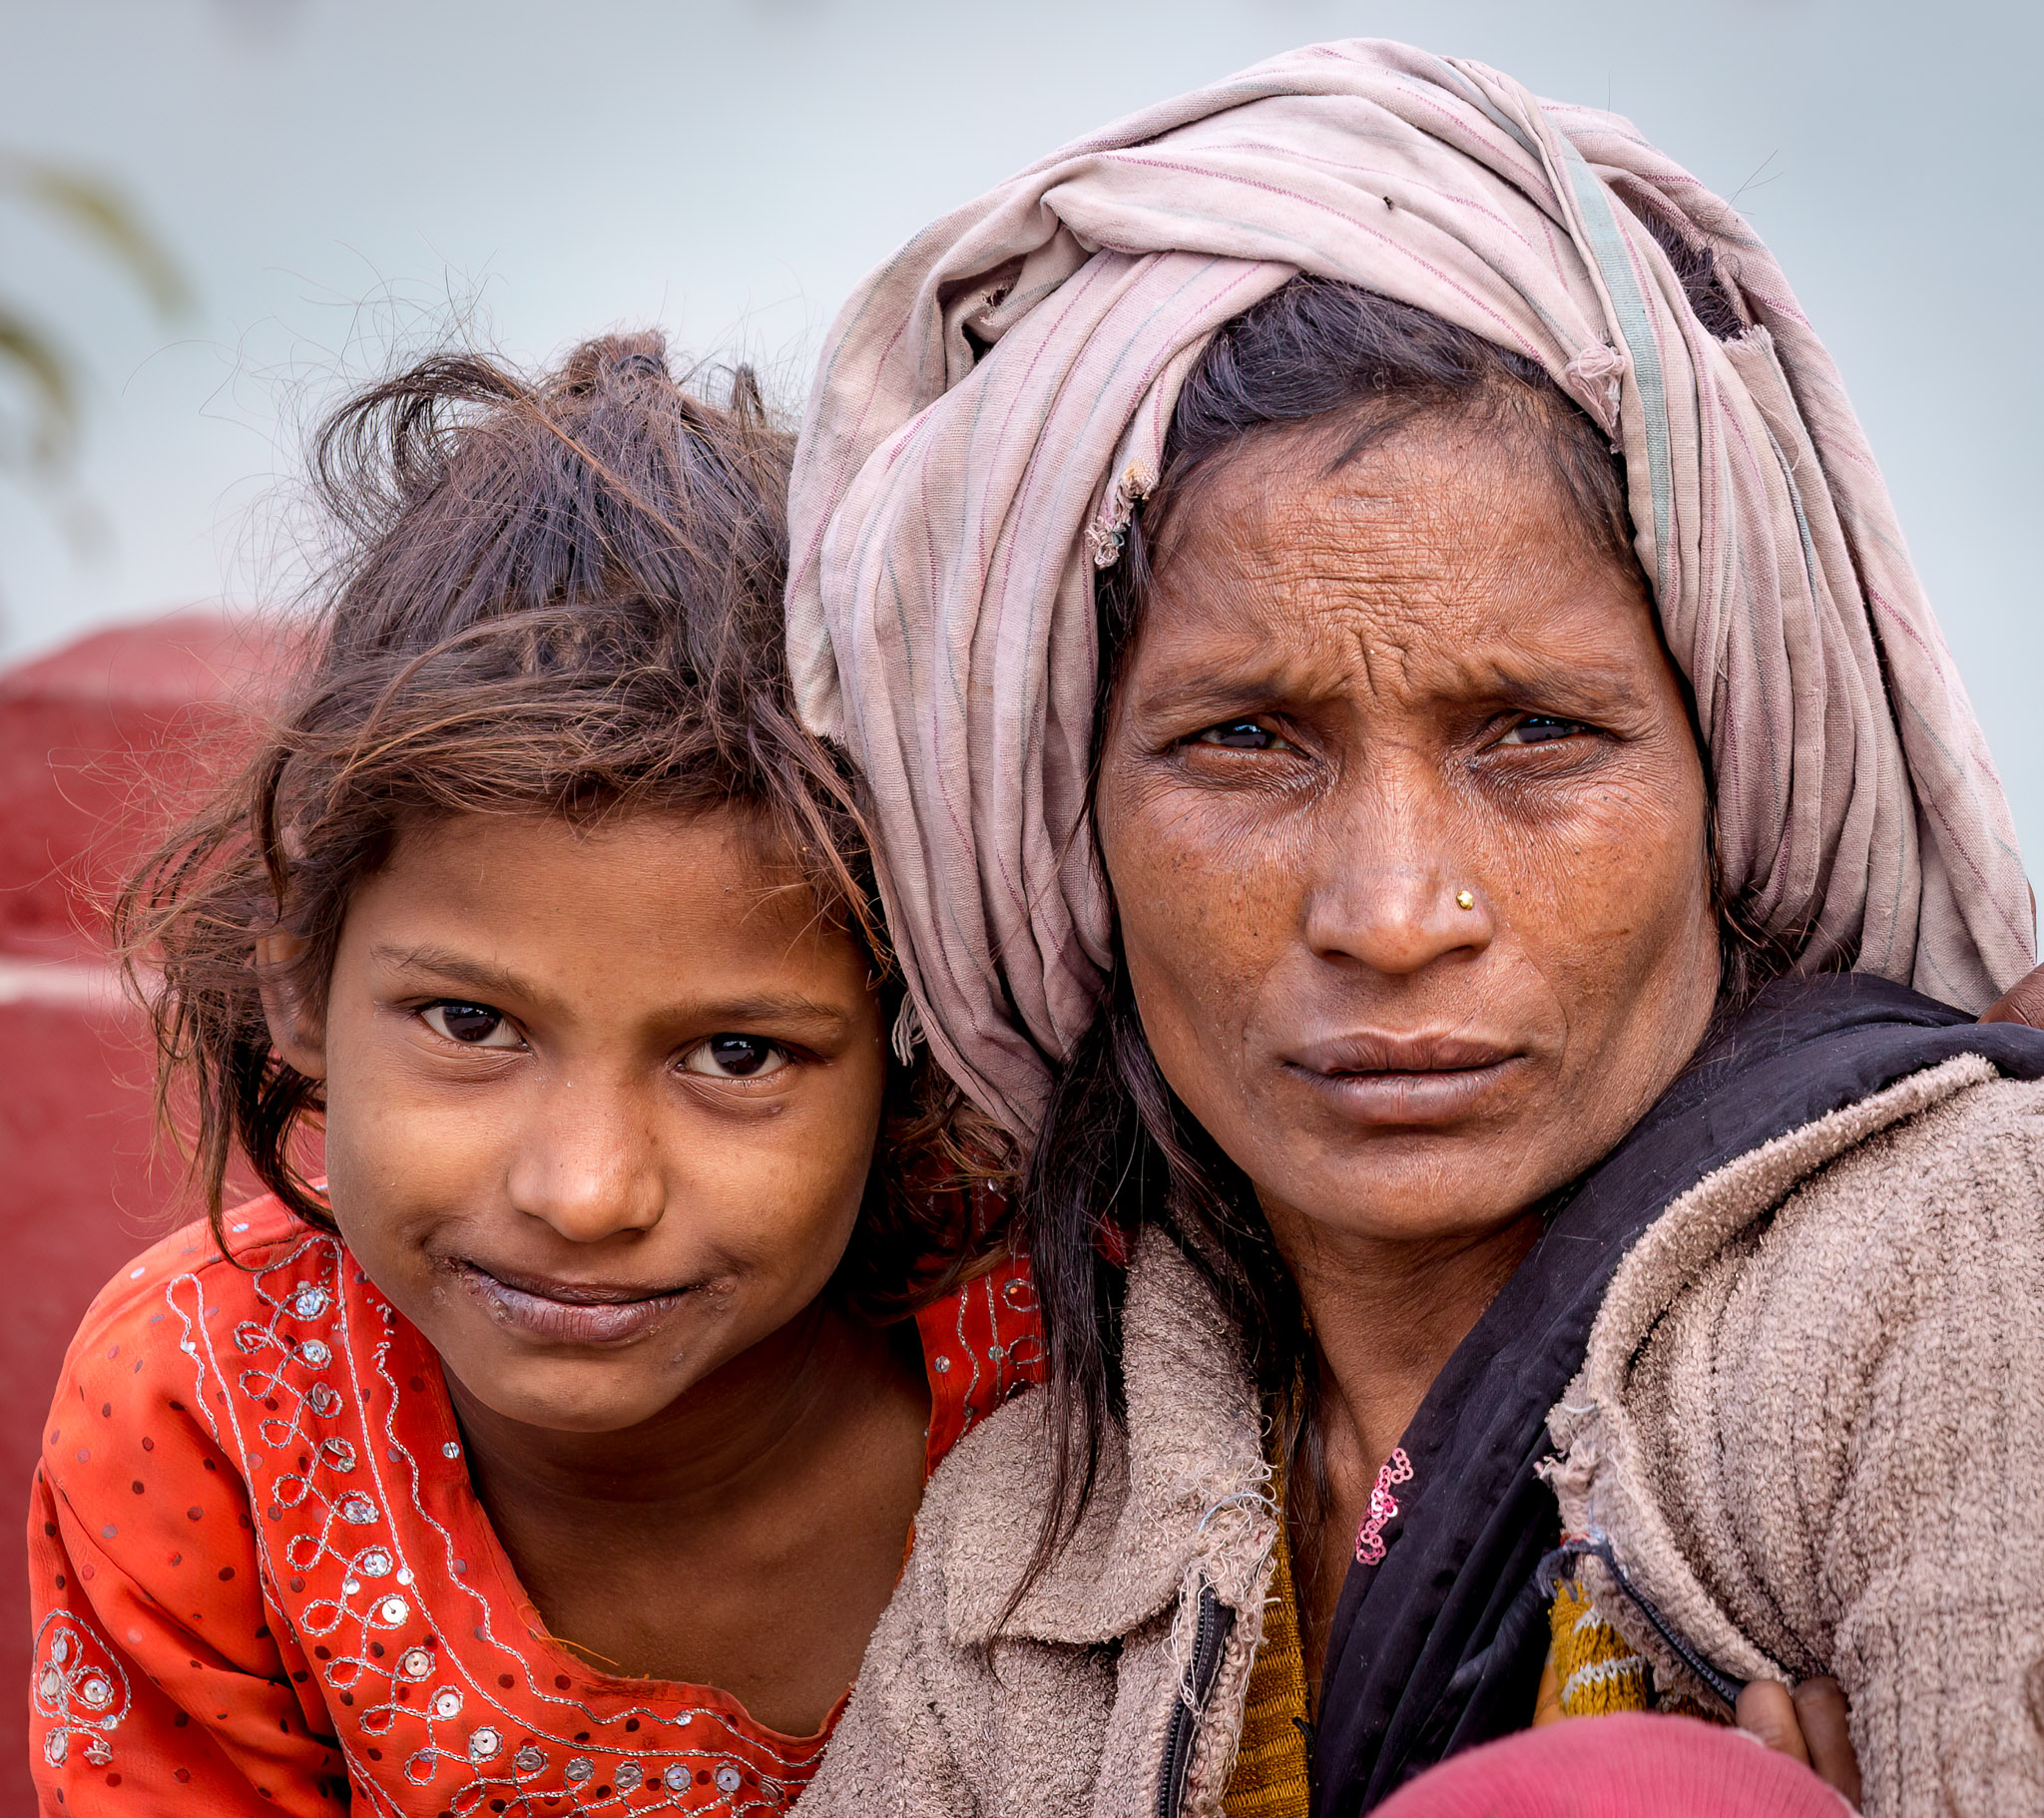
(444, 962)
(495, 982)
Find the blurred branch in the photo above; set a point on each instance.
(42, 406)
(47, 374)
(99, 212)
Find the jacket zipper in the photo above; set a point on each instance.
(1210, 1635)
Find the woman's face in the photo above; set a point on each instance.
(1406, 831)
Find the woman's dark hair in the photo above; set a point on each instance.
(1117, 1149)
(556, 596)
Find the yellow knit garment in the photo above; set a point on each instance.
(1270, 1777)
(1594, 1670)
(1590, 1671)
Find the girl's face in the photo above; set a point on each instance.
(600, 1103)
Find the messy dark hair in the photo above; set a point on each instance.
(559, 596)
(1117, 1149)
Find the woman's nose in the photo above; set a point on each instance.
(586, 1166)
(1391, 899)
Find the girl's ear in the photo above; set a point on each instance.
(299, 1034)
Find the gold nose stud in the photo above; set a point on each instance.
(1466, 899)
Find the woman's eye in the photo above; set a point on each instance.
(735, 1057)
(1542, 729)
(472, 1025)
(1240, 735)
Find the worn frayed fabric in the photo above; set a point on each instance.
(1806, 1423)
(992, 404)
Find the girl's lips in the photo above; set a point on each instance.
(569, 1315)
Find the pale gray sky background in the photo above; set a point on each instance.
(333, 172)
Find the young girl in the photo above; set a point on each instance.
(559, 1450)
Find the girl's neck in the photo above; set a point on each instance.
(748, 1538)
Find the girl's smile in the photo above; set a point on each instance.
(566, 1312)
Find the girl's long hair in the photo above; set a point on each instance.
(555, 595)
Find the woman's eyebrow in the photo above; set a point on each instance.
(1583, 682)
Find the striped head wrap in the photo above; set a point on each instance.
(993, 401)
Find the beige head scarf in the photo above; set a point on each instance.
(994, 399)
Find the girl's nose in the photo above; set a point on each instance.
(586, 1166)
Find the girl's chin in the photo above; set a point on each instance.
(551, 1399)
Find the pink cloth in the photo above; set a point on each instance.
(994, 398)
(1627, 1765)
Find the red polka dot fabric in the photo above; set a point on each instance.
(262, 1582)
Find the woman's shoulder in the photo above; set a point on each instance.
(1884, 1175)
(1179, 1480)
(1980, 1139)
(1801, 1420)
(1932, 1198)
(1900, 1239)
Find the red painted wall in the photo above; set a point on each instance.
(100, 744)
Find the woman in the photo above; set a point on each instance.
(1480, 904)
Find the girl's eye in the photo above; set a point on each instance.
(735, 1057)
(472, 1025)
(1542, 729)
(1240, 735)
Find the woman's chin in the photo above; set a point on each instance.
(1382, 1170)
(1409, 1197)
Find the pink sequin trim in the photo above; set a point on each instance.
(1370, 1538)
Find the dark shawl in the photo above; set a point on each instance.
(1440, 1647)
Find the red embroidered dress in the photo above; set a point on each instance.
(262, 1583)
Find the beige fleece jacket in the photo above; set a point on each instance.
(1811, 1420)
(1069, 1705)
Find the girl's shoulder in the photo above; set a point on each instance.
(139, 1346)
(144, 1558)
(250, 1234)
(135, 1350)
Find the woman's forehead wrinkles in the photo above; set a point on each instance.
(1304, 647)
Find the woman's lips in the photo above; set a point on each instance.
(1380, 1078)
(569, 1312)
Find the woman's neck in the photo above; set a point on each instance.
(1385, 1319)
